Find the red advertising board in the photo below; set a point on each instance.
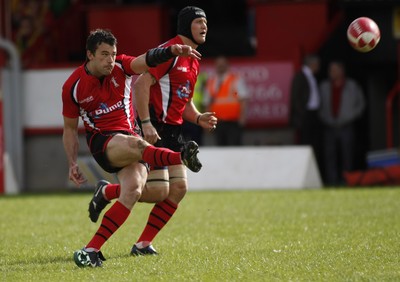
(268, 84)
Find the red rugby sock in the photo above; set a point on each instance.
(112, 220)
(156, 156)
(158, 218)
(112, 191)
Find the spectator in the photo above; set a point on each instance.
(342, 102)
(227, 96)
(305, 103)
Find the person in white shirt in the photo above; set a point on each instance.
(342, 105)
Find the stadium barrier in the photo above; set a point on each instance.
(269, 167)
(230, 168)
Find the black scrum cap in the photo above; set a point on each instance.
(185, 18)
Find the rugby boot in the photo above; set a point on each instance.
(189, 156)
(98, 202)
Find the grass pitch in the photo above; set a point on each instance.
(307, 235)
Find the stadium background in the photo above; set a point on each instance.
(249, 32)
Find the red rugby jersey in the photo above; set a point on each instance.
(175, 83)
(103, 106)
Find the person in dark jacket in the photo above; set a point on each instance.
(305, 104)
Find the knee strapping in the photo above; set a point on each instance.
(158, 178)
(177, 173)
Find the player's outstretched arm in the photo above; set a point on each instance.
(185, 51)
(159, 55)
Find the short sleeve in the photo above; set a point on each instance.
(70, 109)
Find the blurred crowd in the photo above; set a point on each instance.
(31, 18)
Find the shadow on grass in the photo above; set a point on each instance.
(18, 264)
(128, 255)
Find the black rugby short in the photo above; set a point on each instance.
(171, 136)
(97, 142)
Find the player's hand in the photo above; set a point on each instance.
(150, 133)
(185, 51)
(76, 176)
(208, 120)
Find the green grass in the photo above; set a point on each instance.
(307, 235)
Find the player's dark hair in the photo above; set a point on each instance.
(98, 36)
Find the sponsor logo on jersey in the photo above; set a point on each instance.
(183, 69)
(86, 100)
(105, 109)
(184, 90)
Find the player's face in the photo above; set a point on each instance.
(103, 60)
(199, 30)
